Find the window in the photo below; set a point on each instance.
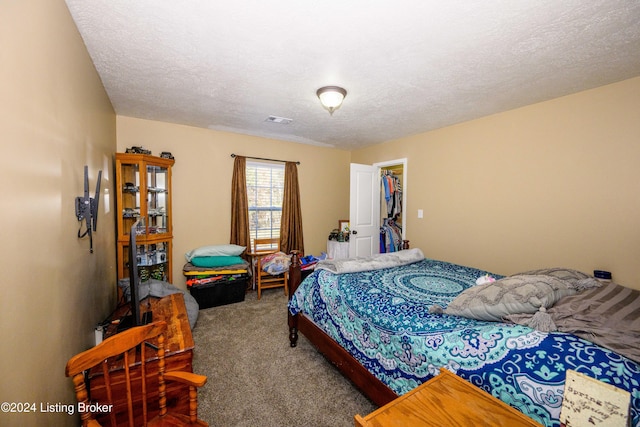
(265, 188)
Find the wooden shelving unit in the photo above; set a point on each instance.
(143, 186)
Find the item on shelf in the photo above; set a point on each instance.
(130, 187)
(137, 150)
(130, 212)
(166, 155)
(339, 235)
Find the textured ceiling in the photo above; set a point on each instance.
(408, 66)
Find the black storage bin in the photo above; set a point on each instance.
(220, 292)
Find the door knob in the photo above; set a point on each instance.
(354, 232)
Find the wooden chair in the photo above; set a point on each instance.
(264, 280)
(139, 351)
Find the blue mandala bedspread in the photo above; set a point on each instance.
(382, 318)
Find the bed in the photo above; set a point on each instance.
(390, 328)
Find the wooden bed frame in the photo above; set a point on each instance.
(373, 388)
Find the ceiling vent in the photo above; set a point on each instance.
(279, 120)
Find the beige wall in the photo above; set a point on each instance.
(554, 183)
(55, 117)
(202, 181)
(551, 184)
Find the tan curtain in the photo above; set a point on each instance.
(291, 224)
(240, 205)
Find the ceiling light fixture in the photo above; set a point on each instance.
(331, 97)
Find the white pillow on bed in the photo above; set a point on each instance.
(215, 250)
(511, 295)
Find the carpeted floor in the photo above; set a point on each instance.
(256, 379)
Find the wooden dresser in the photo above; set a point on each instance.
(445, 400)
(178, 357)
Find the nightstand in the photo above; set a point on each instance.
(445, 400)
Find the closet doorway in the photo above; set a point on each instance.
(371, 206)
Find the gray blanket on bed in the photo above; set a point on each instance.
(374, 262)
(608, 316)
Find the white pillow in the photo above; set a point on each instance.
(215, 250)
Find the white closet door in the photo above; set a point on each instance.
(364, 212)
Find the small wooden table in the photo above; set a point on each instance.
(445, 400)
(178, 357)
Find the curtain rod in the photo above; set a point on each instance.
(262, 158)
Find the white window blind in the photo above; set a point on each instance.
(265, 188)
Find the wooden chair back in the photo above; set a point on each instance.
(266, 246)
(139, 352)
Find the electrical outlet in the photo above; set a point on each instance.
(420, 213)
